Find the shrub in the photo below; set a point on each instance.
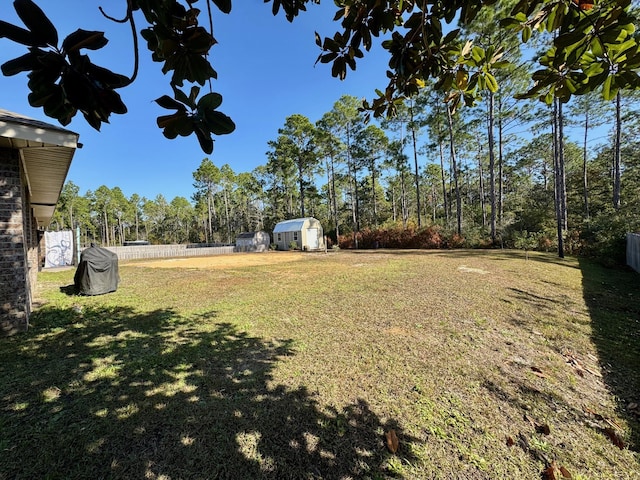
(395, 237)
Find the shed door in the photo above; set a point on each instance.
(312, 238)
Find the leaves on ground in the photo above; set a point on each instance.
(615, 438)
(392, 440)
(555, 472)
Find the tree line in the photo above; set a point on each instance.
(503, 172)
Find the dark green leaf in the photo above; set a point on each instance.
(197, 40)
(182, 97)
(178, 123)
(169, 103)
(205, 140)
(91, 40)
(40, 97)
(328, 57)
(450, 37)
(193, 95)
(218, 123)
(111, 102)
(24, 63)
(35, 20)
(17, 34)
(223, 5)
(107, 77)
(509, 23)
(210, 101)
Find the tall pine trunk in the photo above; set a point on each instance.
(454, 166)
(415, 162)
(446, 203)
(500, 164)
(585, 186)
(560, 196)
(492, 169)
(616, 155)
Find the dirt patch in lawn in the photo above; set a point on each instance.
(234, 260)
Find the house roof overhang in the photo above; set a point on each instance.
(46, 152)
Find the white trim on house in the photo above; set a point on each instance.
(46, 152)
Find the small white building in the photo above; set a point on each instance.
(253, 242)
(306, 232)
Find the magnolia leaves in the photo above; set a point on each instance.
(176, 39)
(62, 80)
(191, 116)
(594, 46)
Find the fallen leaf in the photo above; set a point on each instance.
(615, 438)
(543, 428)
(565, 473)
(392, 440)
(549, 473)
(538, 427)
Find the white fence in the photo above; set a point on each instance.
(633, 251)
(135, 252)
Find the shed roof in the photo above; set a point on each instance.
(46, 152)
(293, 225)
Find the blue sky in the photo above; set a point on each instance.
(266, 72)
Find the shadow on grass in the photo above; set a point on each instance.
(69, 290)
(115, 393)
(613, 299)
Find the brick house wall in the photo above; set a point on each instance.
(18, 246)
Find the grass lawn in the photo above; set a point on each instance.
(483, 364)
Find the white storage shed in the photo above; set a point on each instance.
(306, 232)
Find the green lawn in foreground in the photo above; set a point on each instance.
(485, 364)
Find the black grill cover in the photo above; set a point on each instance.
(97, 272)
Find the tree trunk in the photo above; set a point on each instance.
(415, 161)
(454, 166)
(301, 184)
(558, 168)
(585, 189)
(335, 200)
(403, 200)
(500, 164)
(106, 229)
(373, 192)
(492, 176)
(616, 155)
(447, 205)
(481, 190)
